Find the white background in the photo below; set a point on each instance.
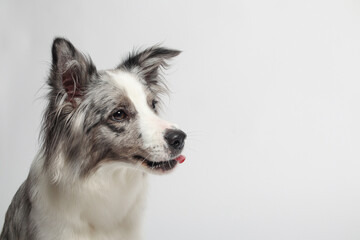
(268, 91)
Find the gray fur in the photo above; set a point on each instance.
(18, 223)
(80, 93)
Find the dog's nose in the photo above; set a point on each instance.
(175, 138)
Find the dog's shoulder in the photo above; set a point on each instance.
(17, 219)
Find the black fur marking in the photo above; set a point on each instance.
(57, 44)
(114, 128)
(148, 62)
(73, 68)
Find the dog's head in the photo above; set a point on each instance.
(111, 115)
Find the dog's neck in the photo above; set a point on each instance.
(107, 203)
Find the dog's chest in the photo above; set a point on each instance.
(108, 206)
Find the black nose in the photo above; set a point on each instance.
(175, 138)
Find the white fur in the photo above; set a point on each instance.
(107, 205)
(151, 126)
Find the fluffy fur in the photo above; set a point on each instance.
(101, 136)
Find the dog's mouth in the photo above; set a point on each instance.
(157, 166)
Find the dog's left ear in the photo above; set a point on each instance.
(148, 62)
(71, 70)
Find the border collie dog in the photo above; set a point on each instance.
(101, 136)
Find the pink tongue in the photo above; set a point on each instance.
(180, 159)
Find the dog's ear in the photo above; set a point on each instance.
(71, 70)
(148, 62)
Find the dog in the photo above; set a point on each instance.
(101, 136)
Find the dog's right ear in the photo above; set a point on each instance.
(71, 70)
(147, 63)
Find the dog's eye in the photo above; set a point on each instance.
(154, 102)
(119, 115)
